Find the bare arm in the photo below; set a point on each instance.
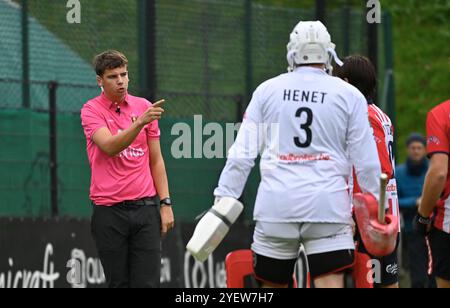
(158, 169)
(434, 183)
(159, 175)
(113, 145)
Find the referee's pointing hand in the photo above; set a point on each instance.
(154, 112)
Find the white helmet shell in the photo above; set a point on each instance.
(310, 43)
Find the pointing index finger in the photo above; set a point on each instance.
(158, 103)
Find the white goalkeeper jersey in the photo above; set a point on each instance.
(310, 129)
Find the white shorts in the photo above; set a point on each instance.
(282, 241)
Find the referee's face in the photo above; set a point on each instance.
(115, 82)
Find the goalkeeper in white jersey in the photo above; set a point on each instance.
(310, 129)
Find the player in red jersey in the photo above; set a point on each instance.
(359, 71)
(436, 192)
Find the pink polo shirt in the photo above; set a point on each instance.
(126, 176)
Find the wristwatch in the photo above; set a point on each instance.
(423, 220)
(165, 202)
(422, 225)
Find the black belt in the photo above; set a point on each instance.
(141, 202)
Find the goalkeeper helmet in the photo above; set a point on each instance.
(310, 43)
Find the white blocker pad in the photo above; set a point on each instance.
(213, 227)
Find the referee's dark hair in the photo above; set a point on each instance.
(109, 59)
(359, 72)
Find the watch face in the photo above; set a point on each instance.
(166, 201)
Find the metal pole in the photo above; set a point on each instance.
(53, 86)
(372, 43)
(205, 25)
(389, 66)
(321, 9)
(240, 108)
(248, 52)
(25, 56)
(147, 48)
(346, 26)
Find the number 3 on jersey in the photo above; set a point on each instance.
(306, 127)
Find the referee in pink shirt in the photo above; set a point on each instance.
(127, 174)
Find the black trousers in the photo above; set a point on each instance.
(440, 246)
(418, 260)
(128, 240)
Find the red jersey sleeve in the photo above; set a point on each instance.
(382, 147)
(437, 132)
